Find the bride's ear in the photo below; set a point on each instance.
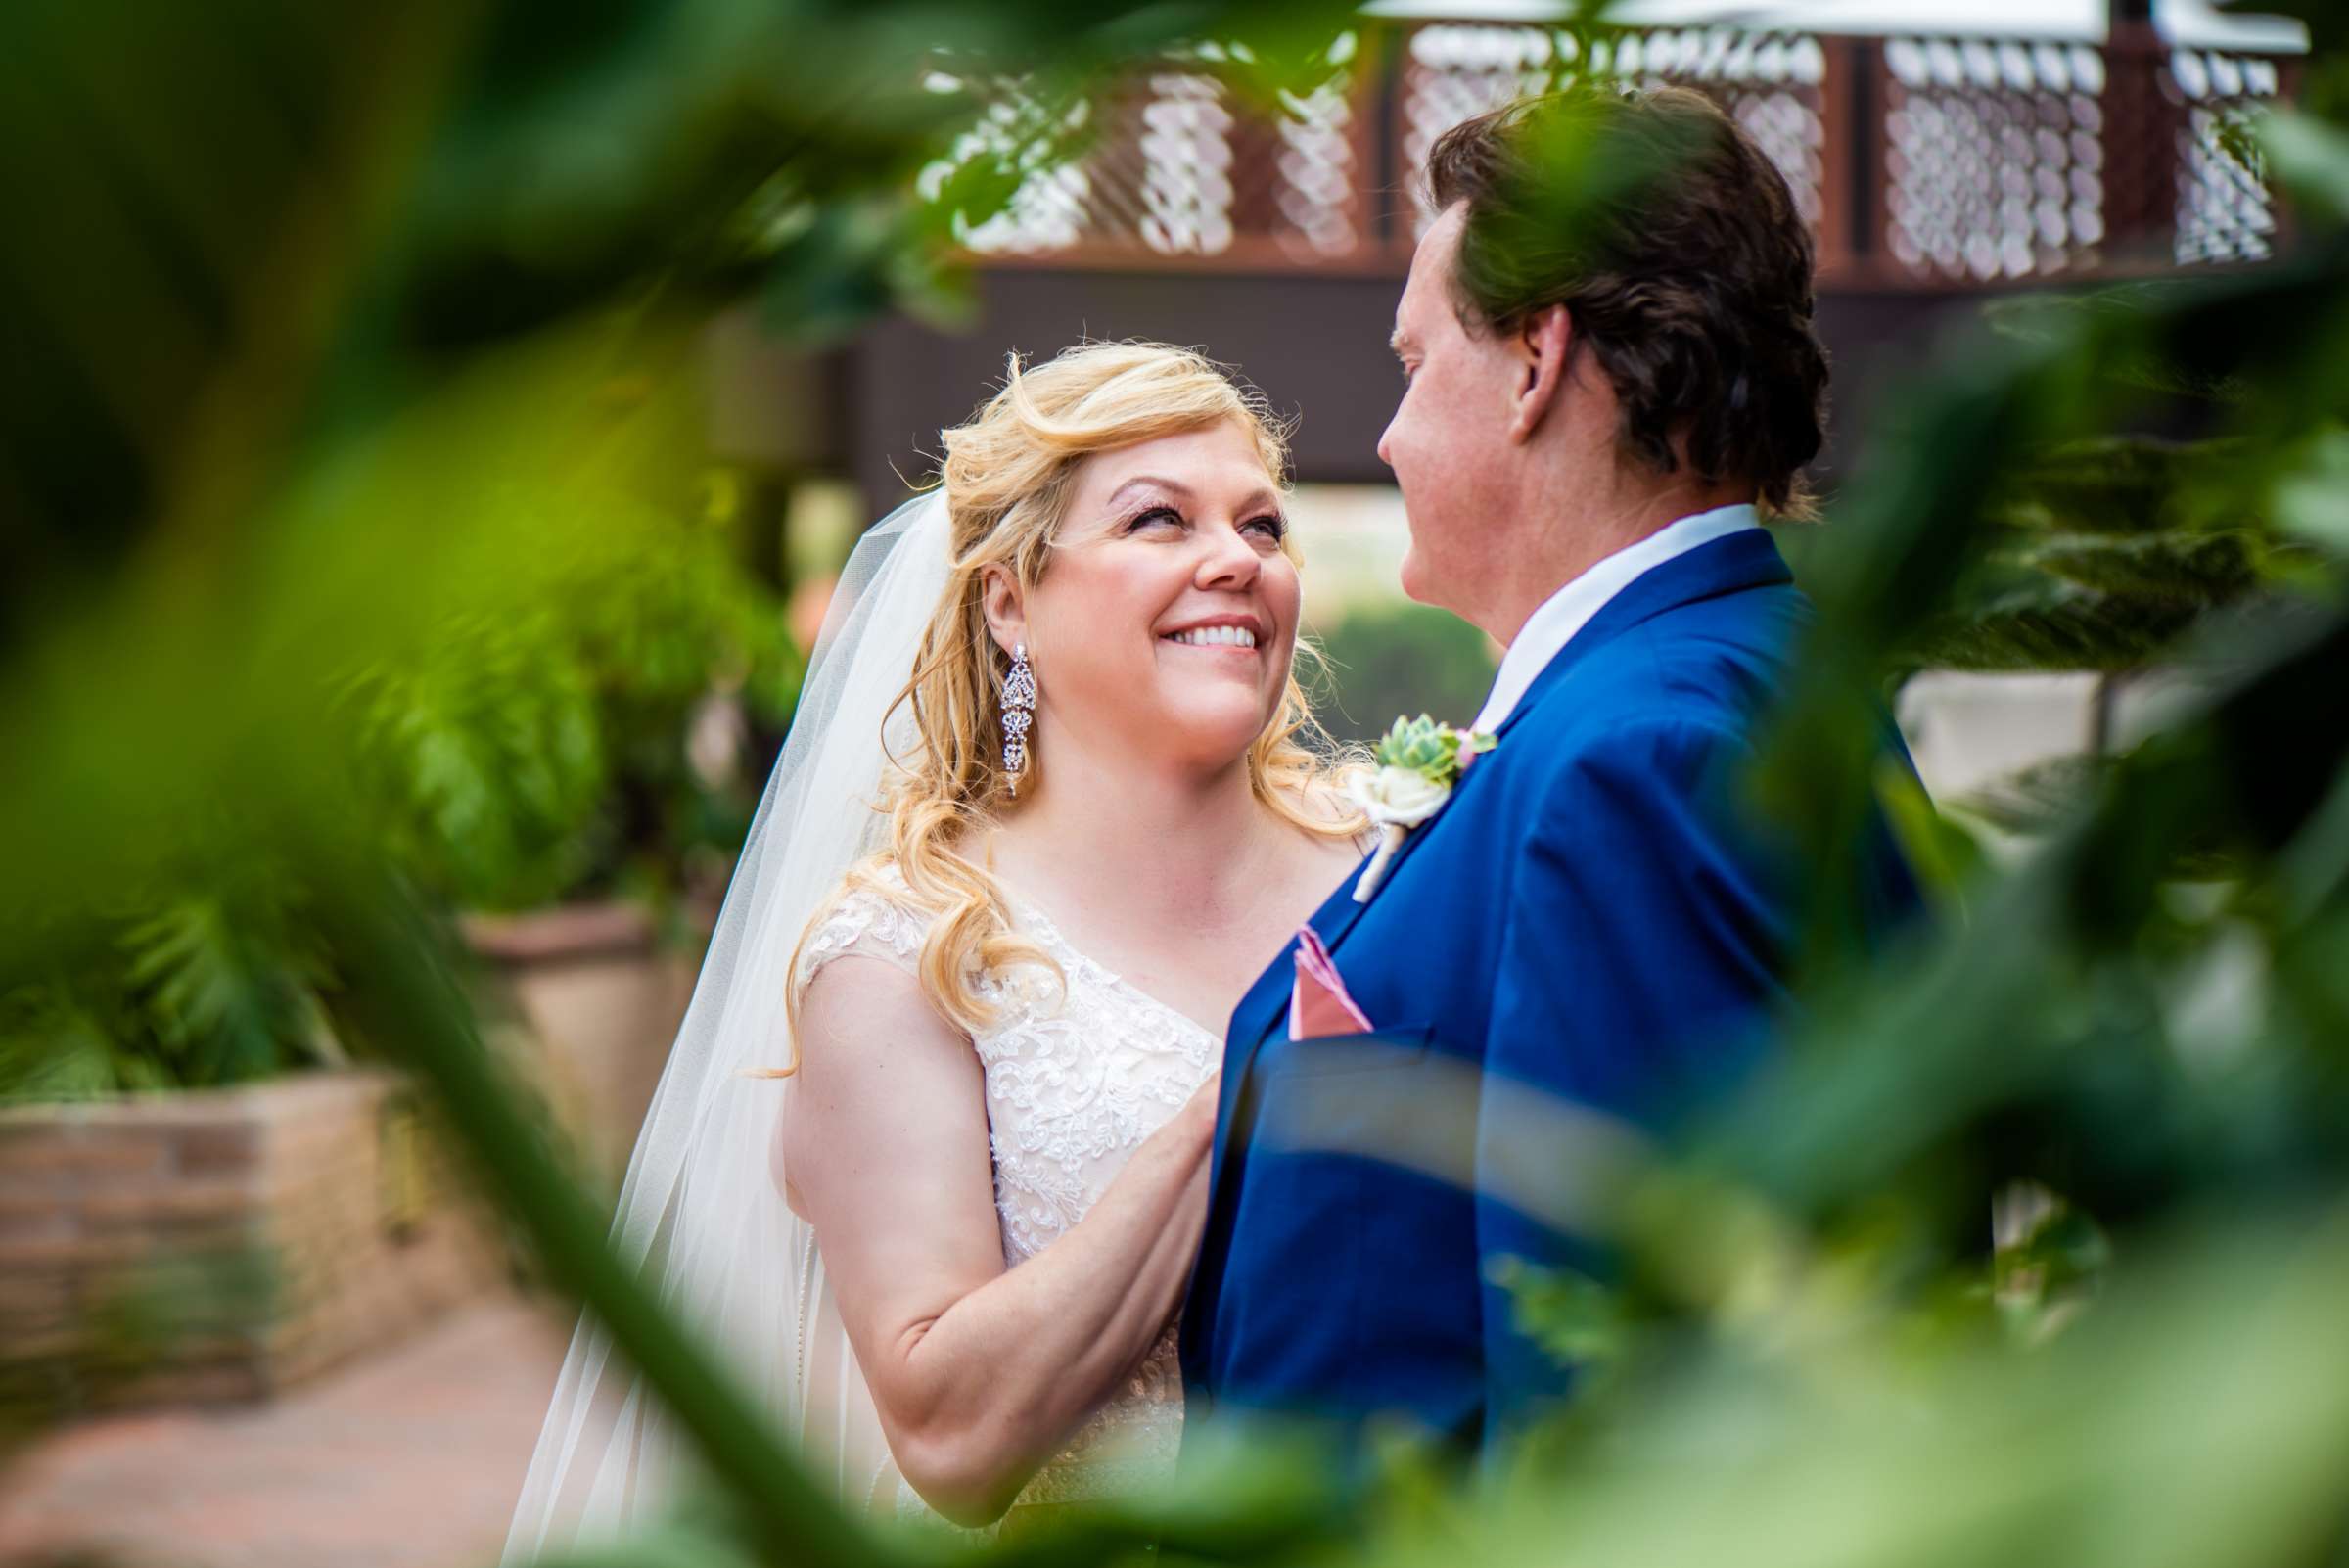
(1006, 613)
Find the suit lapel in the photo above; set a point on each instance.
(1262, 1011)
(1742, 561)
(1745, 560)
(1731, 564)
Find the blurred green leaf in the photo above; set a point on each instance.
(362, 563)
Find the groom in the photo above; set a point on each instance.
(1589, 937)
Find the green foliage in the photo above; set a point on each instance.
(1403, 658)
(1579, 1321)
(2049, 1265)
(523, 742)
(364, 337)
(2041, 797)
(664, 619)
(230, 985)
(394, 363)
(540, 750)
(489, 753)
(208, 976)
(2104, 553)
(55, 1046)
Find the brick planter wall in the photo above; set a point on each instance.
(218, 1245)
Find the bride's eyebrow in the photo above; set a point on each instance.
(1146, 480)
(1269, 500)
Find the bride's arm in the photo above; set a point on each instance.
(979, 1372)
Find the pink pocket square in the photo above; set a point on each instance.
(1319, 1003)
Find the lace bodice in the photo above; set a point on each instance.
(1074, 1086)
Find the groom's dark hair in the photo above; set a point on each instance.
(1677, 250)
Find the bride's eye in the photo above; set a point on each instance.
(1160, 515)
(1271, 527)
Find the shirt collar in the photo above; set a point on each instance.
(1566, 612)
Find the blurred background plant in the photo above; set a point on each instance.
(357, 566)
(384, 383)
(585, 724)
(1399, 658)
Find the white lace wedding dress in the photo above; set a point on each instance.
(1072, 1089)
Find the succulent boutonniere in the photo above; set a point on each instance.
(1418, 763)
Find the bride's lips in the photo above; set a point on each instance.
(1241, 634)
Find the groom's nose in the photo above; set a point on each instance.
(1384, 436)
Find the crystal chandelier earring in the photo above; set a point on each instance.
(1019, 713)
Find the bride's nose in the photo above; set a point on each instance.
(1226, 560)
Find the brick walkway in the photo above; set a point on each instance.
(411, 1459)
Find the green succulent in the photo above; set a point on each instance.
(1428, 747)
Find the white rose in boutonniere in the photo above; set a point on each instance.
(1399, 796)
(1418, 763)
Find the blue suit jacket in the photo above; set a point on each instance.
(1590, 918)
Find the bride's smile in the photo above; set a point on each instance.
(1166, 624)
(1239, 632)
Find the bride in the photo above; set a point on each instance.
(927, 1166)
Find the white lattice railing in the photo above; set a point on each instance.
(1994, 157)
(1771, 83)
(1926, 161)
(2225, 211)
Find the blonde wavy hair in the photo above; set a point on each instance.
(1007, 476)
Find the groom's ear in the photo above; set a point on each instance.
(1542, 344)
(999, 598)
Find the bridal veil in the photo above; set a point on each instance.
(700, 1211)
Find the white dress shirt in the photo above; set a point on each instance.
(1566, 612)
